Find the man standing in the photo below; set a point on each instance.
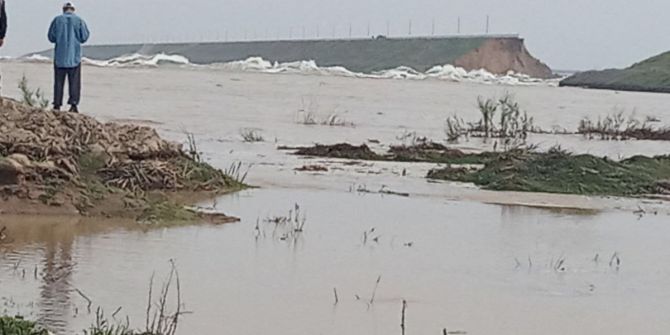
(3, 22)
(68, 32)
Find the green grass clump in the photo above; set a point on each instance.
(558, 171)
(18, 326)
(200, 175)
(160, 209)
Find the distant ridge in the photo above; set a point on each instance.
(497, 54)
(651, 75)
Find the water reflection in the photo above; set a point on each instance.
(41, 250)
(56, 288)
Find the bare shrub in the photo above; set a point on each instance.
(512, 124)
(251, 135)
(30, 97)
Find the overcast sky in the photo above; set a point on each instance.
(566, 34)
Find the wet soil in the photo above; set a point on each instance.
(68, 163)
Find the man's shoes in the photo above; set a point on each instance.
(74, 109)
(56, 108)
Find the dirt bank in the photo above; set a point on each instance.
(499, 56)
(65, 163)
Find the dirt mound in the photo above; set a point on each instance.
(425, 151)
(428, 152)
(52, 136)
(74, 161)
(499, 56)
(341, 150)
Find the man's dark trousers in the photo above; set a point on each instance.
(73, 75)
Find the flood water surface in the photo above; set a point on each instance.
(484, 269)
(460, 263)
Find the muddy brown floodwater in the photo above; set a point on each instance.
(464, 259)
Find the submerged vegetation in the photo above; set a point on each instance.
(333, 120)
(616, 126)
(503, 119)
(512, 125)
(251, 135)
(558, 171)
(307, 115)
(161, 317)
(523, 168)
(18, 326)
(518, 167)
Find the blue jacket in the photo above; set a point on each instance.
(68, 32)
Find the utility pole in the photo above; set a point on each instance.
(350, 30)
(458, 29)
(318, 31)
(488, 24)
(410, 27)
(432, 30)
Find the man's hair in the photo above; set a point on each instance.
(68, 6)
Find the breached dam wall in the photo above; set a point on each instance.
(497, 55)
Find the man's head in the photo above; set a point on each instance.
(68, 7)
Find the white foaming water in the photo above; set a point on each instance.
(310, 67)
(36, 59)
(139, 60)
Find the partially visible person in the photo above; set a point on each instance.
(3, 22)
(68, 31)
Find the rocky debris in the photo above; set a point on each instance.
(49, 136)
(48, 144)
(62, 158)
(11, 172)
